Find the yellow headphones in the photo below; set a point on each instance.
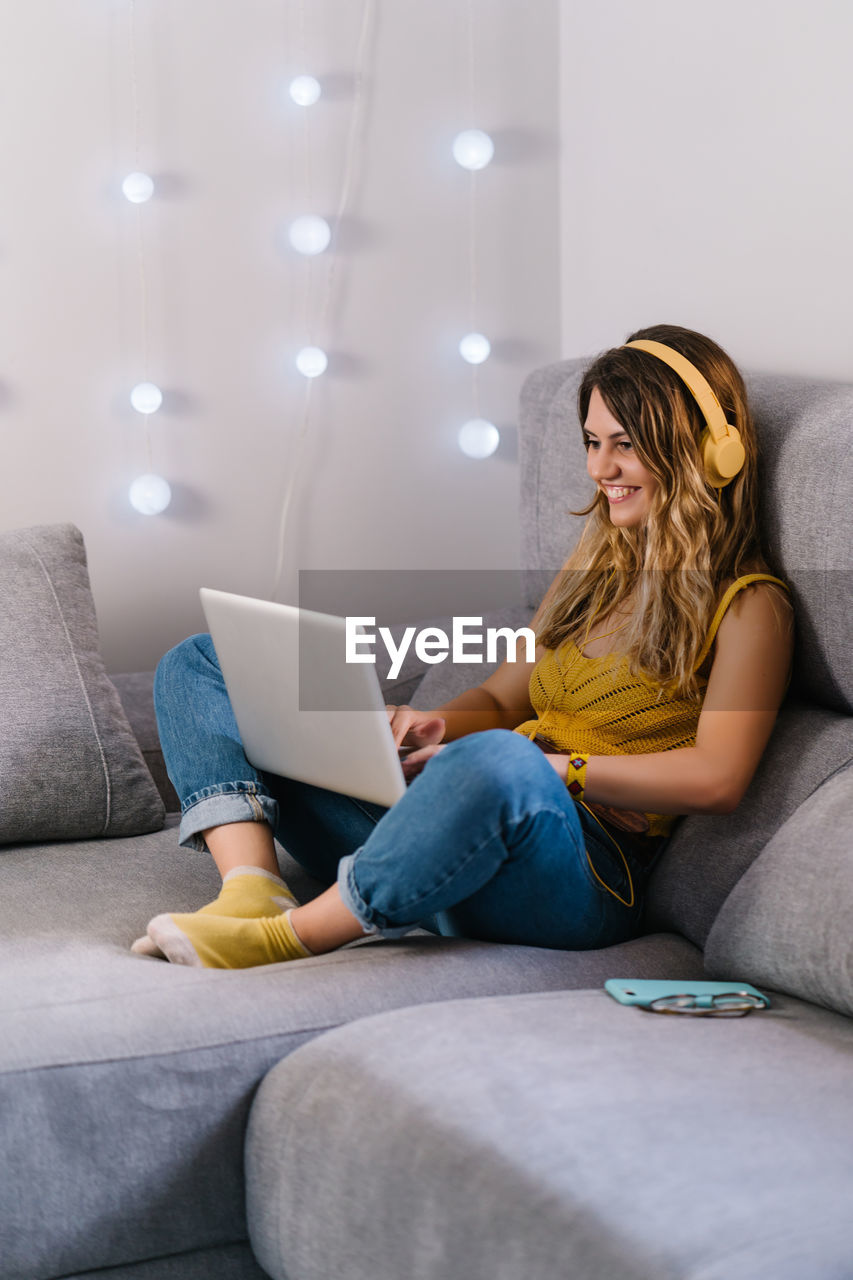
(721, 447)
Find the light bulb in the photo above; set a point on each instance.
(475, 348)
(138, 187)
(473, 149)
(146, 397)
(479, 438)
(312, 361)
(309, 234)
(150, 495)
(305, 91)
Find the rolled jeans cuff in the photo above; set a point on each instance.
(371, 921)
(226, 802)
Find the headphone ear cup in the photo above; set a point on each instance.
(722, 459)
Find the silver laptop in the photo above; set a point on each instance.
(303, 711)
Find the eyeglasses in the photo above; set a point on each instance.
(729, 1004)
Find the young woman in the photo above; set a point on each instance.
(540, 799)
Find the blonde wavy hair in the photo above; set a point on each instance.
(695, 539)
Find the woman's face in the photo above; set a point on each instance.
(615, 467)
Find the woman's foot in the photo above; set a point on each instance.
(205, 940)
(247, 893)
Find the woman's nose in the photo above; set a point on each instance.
(602, 466)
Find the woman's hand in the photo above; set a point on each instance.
(413, 728)
(413, 763)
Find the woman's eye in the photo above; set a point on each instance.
(593, 444)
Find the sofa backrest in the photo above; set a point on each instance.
(804, 430)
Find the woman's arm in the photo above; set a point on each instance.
(748, 679)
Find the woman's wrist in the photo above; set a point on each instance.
(570, 766)
(576, 763)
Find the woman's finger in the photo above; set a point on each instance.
(412, 728)
(422, 754)
(428, 731)
(400, 719)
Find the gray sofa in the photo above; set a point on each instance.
(433, 1107)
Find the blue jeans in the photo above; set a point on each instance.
(486, 843)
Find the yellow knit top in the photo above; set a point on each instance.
(595, 705)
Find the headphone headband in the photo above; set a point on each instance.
(722, 449)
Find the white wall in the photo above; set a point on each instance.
(704, 179)
(707, 176)
(384, 484)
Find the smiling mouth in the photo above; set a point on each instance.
(618, 493)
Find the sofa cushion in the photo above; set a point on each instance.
(803, 433)
(553, 479)
(708, 853)
(807, 472)
(70, 766)
(125, 1082)
(558, 1135)
(787, 922)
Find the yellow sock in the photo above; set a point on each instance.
(216, 942)
(246, 894)
(249, 892)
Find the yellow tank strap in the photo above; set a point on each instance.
(737, 585)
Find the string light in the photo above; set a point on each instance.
(317, 235)
(473, 149)
(475, 348)
(309, 234)
(150, 495)
(479, 438)
(312, 361)
(305, 91)
(138, 187)
(146, 397)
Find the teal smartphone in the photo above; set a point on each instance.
(683, 995)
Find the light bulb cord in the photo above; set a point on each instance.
(473, 282)
(298, 447)
(140, 228)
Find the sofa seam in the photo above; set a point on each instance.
(838, 769)
(159, 1257)
(171, 1053)
(147, 991)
